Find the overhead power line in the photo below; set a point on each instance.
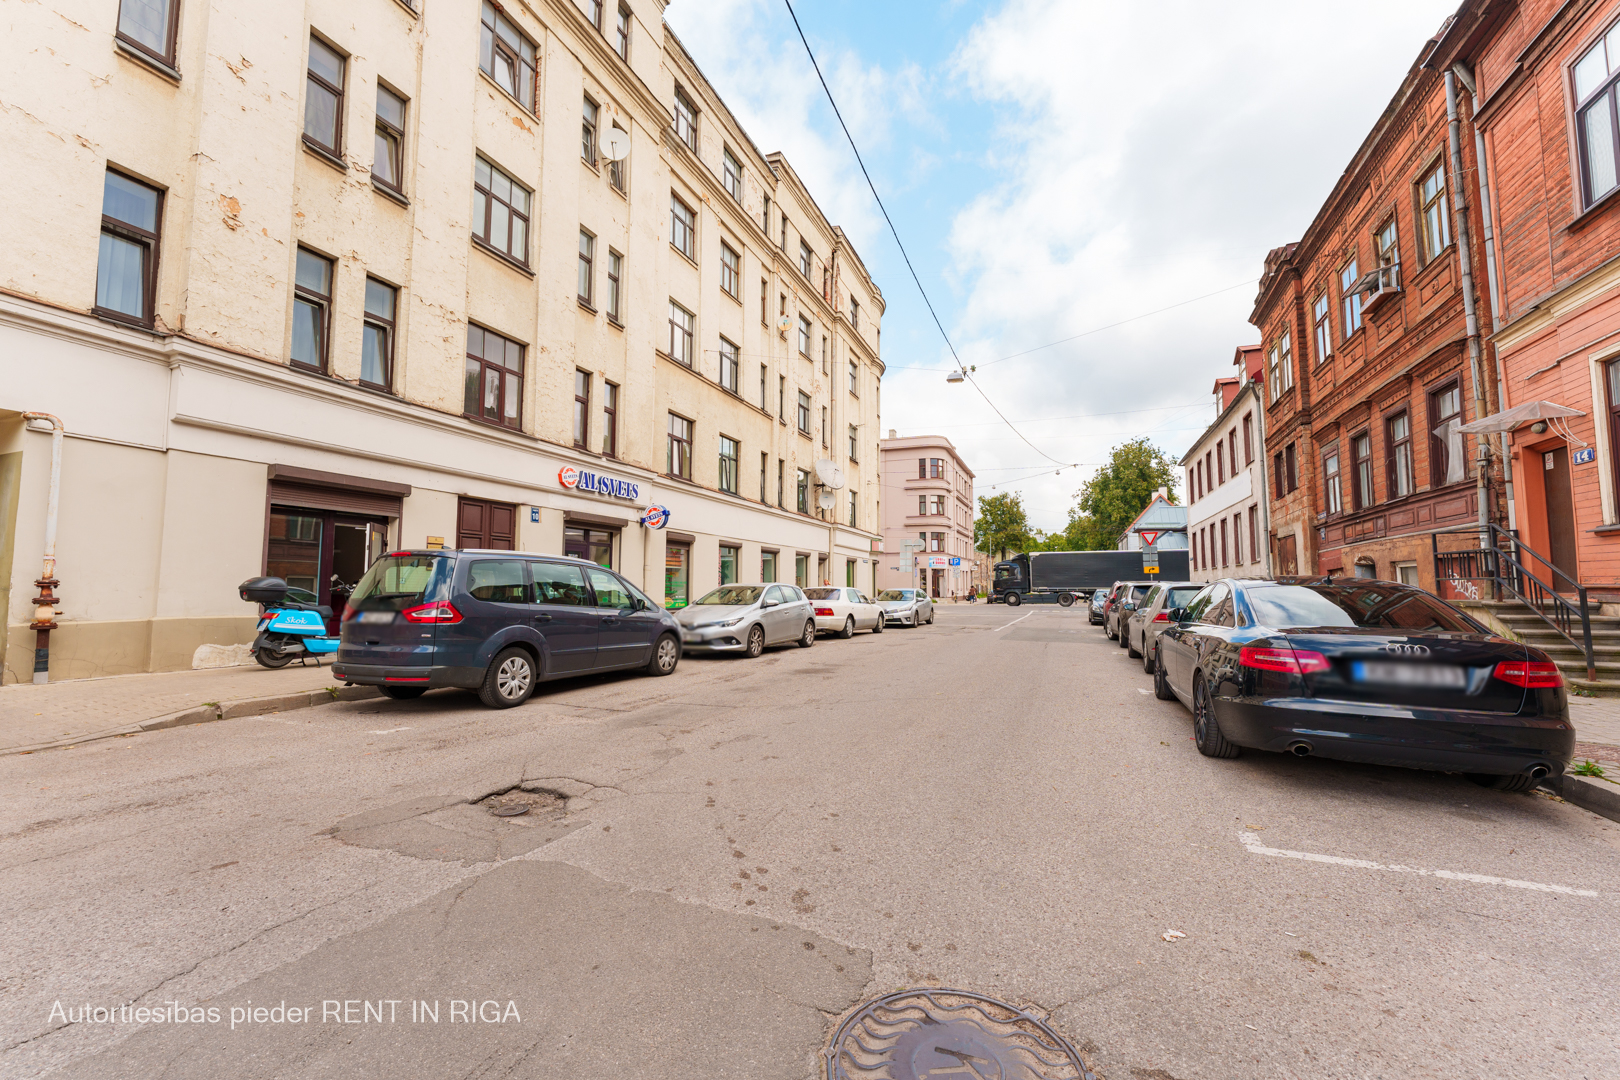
(901, 244)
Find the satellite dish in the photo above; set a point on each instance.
(784, 324)
(616, 144)
(828, 474)
(825, 500)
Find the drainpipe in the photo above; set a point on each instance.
(1465, 262)
(45, 603)
(1492, 288)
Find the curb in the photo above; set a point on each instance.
(209, 712)
(1595, 795)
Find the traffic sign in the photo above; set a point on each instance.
(1148, 538)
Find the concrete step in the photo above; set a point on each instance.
(1530, 619)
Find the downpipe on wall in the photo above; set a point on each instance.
(1459, 210)
(45, 603)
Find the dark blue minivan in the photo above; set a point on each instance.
(498, 622)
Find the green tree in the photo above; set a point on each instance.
(1002, 525)
(1113, 498)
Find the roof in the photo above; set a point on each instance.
(1159, 512)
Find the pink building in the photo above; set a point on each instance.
(926, 515)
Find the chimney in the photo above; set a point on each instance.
(1163, 493)
(893, 433)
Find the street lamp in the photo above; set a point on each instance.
(960, 373)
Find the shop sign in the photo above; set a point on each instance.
(656, 516)
(936, 562)
(585, 480)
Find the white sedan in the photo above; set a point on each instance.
(844, 611)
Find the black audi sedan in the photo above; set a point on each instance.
(1367, 671)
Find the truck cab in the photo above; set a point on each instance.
(1009, 576)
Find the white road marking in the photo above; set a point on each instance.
(388, 731)
(1255, 847)
(1015, 622)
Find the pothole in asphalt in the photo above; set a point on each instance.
(448, 829)
(517, 802)
(912, 1034)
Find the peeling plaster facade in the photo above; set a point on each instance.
(177, 432)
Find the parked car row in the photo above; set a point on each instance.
(1354, 670)
(501, 622)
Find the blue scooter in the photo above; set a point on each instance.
(290, 629)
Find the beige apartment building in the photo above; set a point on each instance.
(928, 510)
(1228, 514)
(308, 282)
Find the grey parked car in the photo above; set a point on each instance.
(747, 618)
(1098, 600)
(1152, 615)
(1127, 596)
(905, 607)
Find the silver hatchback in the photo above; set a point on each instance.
(1144, 625)
(747, 618)
(905, 607)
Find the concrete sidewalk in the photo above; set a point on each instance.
(34, 717)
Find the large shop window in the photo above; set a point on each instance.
(677, 576)
(490, 526)
(592, 545)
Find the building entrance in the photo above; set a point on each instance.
(1560, 506)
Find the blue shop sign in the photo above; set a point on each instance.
(585, 480)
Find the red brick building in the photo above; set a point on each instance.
(1545, 74)
(1369, 363)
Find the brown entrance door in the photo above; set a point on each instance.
(490, 526)
(1287, 556)
(1560, 512)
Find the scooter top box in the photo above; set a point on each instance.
(263, 590)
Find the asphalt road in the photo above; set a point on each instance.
(749, 849)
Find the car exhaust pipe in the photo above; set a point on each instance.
(1538, 771)
(1300, 749)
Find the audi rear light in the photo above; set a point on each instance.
(1531, 674)
(1290, 661)
(432, 613)
(824, 612)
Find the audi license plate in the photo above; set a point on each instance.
(1392, 674)
(376, 616)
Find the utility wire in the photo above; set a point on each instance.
(901, 245)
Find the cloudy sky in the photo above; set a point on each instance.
(1054, 167)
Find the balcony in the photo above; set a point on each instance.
(1378, 285)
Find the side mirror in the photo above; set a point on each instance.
(767, 605)
(1178, 615)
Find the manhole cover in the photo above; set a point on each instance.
(916, 1034)
(510, 810)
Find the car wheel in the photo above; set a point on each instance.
(809, 637)
(1013, 599)
(756, 639)
(509, 680)
(403, 693)
(1147, 657)
(1065, 600)
(666, 654)
(1130, 650)
(878, 629)
(1161, 683)
(1516, 782)
(1124, 635)
(1107, 633)
(849, 628)
(1207, 734)
(930, 617)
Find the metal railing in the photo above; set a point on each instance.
(1503, 564)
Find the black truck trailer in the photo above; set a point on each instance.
(1065, 576)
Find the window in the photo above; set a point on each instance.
(762, 379)
(593, 11)
(582, 408)
(936, 541)
(730, 271)
(767, 566)
(801, 570)
(1278, 480)
(730, 365)
(126, 267)
(1594, 118)
(621, 34)
(619, 171)
(507, 56)
(936, 468)
(498, 581)
(1331, 488)
(1361, 452)
(783, 243)
(1399, 429)
(681, 324)
(377, 338)
(805, 258)
(937, 504)
(825, 368)
(764, 472)
(728, 564)
(1351, 301)
(1386, 244)
(731, 174)
(1290, 469)
(1436, 230)
(922, 468)
(500, 212)
(854, 443)
(682, 227)
(1237, 538)
(804, 413)
(729, 453)
(323, 99)
(587, 276)
(854, 378)
(494, 390)
(1231, 451)
(804, 336)
(1254, 534)
(1225, 556)
(1220, 463)
(587, 137)
(804, 491)
(781, 468)
(854, 313)
(764, 302)
(151, 26)
(312, 309)
(1324, 336)
(388, 159)
(1286, 361)
(781, 397)
(685, 120)
(614, 274)
(1447, 462)
(1248, 438)
(854, 523)
(922, 505)
(680, 447)
(824, 425)
(610, 420)
(1274, 374)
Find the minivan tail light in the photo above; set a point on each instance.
(348, 613)
(432, 613)
(1531, 674)
(1291, 661)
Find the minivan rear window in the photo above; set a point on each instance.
(396, 582)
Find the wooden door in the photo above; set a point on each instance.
(483, 524)
(1560, 513)
(1287, 556)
